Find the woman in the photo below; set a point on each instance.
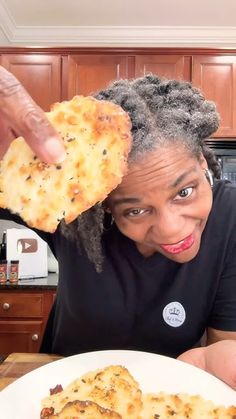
(162, 272)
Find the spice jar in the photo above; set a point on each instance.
(14, 270)
(3, 271)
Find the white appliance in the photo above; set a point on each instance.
(26, 246)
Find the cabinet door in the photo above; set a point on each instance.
(39, 74)
(23, 317)
(169, 66)
(89, 73)
(216, 77)
(20, 336)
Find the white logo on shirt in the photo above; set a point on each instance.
(174, 314)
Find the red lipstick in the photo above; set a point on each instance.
(180, 246)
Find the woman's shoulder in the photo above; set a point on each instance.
(224, 193)
(224, 203)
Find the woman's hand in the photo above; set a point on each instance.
(218, 359)
(20, 116)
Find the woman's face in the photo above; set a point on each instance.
(163, 203)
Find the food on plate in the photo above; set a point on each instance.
(79, 409)
(112, 392)
(180, 406)
(112, 388)
(97, 140)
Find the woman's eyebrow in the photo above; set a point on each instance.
(132, 200)
(182, 177)
(120, 201)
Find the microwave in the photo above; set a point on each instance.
(225, 152)
(228, 167)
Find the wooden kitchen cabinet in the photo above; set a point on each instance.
(169, 66)
(89, 73)
(23, 317)
(55, 74)
(216, 77)
(39, 74)
(19, 336)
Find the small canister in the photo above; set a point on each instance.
(3, 271)
(14, 270)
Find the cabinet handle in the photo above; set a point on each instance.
(35, 336)
(6, 306)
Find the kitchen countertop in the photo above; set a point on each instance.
(49, 282)
(18, 364)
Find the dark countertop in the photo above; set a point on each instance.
(49, 282)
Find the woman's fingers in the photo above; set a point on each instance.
(24, 118)
(221, 361)
(218, 359)
(194, 357)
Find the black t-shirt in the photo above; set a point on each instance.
(151, 304)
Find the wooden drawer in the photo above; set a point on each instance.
(20, 336)
(21, 305)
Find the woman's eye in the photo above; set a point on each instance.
(184, 193)
(135, 212)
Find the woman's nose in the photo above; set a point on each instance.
(168, 226)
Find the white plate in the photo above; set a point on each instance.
(21, 399)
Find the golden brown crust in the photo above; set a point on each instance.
(115, 389)
(112, 388)
(97, 139)
(80, 410)
(180, 406)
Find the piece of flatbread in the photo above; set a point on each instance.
(80, 410)
(97, 139)
(112, 388)
(183, 406)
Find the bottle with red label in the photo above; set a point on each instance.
(14, 271)
(3, 271)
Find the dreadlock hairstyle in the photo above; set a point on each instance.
(162, 112)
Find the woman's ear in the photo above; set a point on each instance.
(206, 170)
(106, 208)
(209, 177)
(203, 162)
